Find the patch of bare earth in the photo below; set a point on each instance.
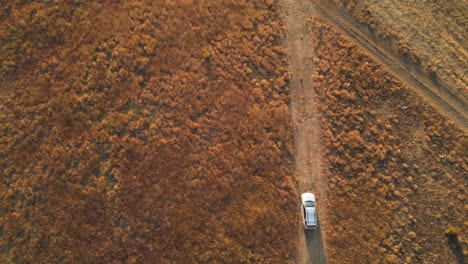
(308, 168)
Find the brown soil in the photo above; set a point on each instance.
(308, 168)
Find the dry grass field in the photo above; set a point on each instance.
(395, 168)
(144, 132)
(161, 132)
(431, 33)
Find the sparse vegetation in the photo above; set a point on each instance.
(430, 33)
(394, 166)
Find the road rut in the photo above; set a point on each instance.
(297, 15)
(308, 166)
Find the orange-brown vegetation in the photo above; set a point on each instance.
(395, 168)
(430, 33)
(144, 132)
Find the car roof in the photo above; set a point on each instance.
(311, 215)
(308, 197)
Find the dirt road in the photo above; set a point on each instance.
(306, 130)
(297, 15)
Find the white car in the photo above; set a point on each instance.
(309, 212)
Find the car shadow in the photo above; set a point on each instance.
(314, 244)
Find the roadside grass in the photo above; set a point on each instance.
(394, 165)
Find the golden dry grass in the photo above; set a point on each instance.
(396, 169)
(431, 33)
(124, 142)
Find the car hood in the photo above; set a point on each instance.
(307, 197)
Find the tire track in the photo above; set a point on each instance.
(444, 98)
(307, 158)
(306, 124)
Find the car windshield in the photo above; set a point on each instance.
(309, 204)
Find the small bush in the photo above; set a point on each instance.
(206, 55)
(452, 232)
